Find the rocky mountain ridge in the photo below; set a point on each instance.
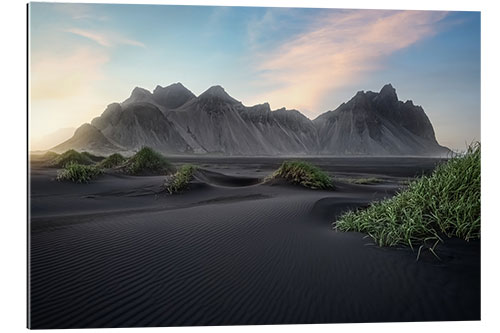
(173, 120)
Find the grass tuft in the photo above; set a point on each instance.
(50, 156)
(112, 161)
(78, 173)
(302, 173)
(179, 181)
(71, 156)
(148, 162)
(445, 203)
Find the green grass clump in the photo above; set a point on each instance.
(445, 203)
(112, 161)
(50, 156)
(179, 181)
(78, 173)
(148, 162)
(71, 156)
(302, 173)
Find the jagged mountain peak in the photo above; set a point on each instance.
(138, 91)
(172, 119)
(172, 96)
(358, 103)
(388, 91)
(216, 89)
(284, 109)
(217, 92)
(178, 87)
(138, 95)
(378, 124)
(409, 102)
(264, 107)
(172, 85)
(292, 114)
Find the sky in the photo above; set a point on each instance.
(86, 56)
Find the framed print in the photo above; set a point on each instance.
(218, 165)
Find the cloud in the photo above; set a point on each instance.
(338, 50)
(105, 39)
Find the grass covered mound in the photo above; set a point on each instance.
(179, 181)
(148, 162)
(78, 173)
(112, 161)
(71, 156)
(446, 203)
(49, 156)
(302, 173)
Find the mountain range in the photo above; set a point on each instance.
(173, 120)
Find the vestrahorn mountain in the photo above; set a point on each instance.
(174, 121)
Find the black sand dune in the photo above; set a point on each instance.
(117, 252)
(219, 179)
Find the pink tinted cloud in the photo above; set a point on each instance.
(339, 50)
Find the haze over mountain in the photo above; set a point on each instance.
(50, 140)
(174, 121)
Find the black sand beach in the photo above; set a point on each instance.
(231, 251)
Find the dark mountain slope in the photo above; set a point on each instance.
(377, 124)
(138, 124)
(173, 120)
(88, 138)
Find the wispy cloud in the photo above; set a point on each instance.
(338, 50)
(106, 39)
(263, 28)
